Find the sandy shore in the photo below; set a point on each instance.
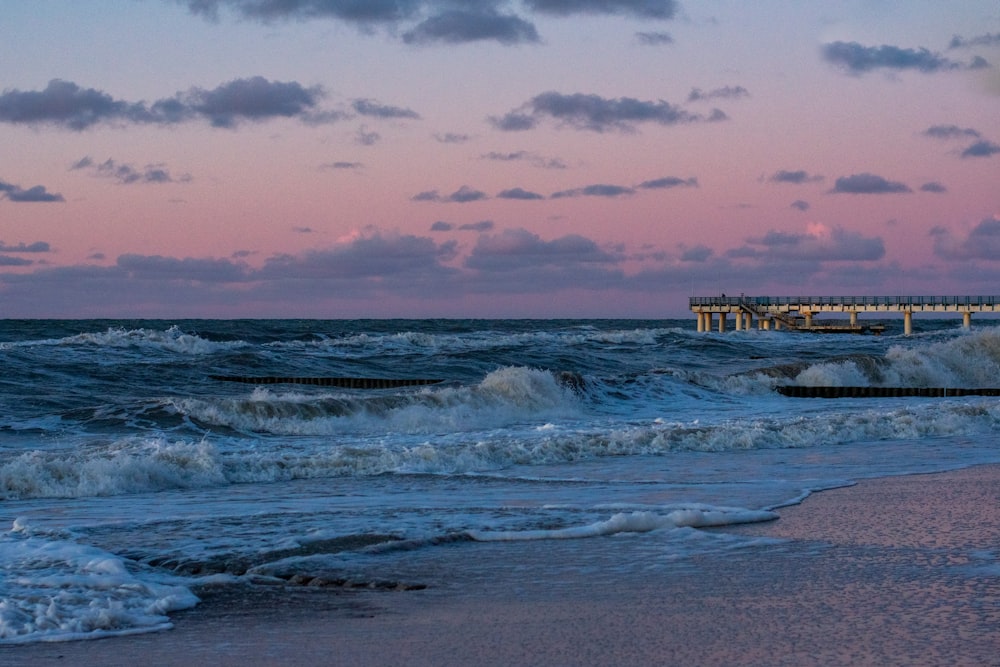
(900, 571)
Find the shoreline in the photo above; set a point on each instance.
(897, 570)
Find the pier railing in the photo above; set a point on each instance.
(861, 301)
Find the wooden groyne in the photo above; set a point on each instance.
(796, 391)
(797, 313)
(341, 382)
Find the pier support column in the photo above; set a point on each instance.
(809, 318)
(854, 318)
(739, 321)
(700, 321)
(967, 320)
(747, 321)
(722, 322)
(764, 323)
(907, 322)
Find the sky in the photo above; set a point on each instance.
(492, 158)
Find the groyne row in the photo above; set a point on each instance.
(797, 391)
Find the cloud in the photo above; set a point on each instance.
(982, 242)
(669, 182)
(797, 177)
(367, 107)
(481, 226)
(800, 205)
(597, 114)
(366, 137)
(867, 184)
(525, 156)
(818, 243)
(458, 26)
(519, 193)
(442, 226)
(698, 253)
(857, 59)
(127, 174)
(517, 249)
(463, 195)
(654, 38)
(14, 261)
(38, 246)
(37, 193)
(726, 92)
(452, 138)
(67, 105)
(340, 165)
(950, 132)
(989, 39)
(981, 149)
(597, 190)
(648, 9)
(933, 186)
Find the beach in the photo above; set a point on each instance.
(892, 571)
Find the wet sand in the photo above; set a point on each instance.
(899, 571)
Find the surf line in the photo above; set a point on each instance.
(341, 382)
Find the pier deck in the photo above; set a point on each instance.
(796, 312)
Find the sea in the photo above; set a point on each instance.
(142, 462)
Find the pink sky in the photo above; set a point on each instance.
(528, 158)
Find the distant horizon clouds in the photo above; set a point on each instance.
(509, 158)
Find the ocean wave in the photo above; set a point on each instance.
(172, 340)
(142, 466)
(505, 396)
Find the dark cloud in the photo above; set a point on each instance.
(252, 99)
(372, 108)
(650, 9)
(800, 205)
(867, 184)
(654, 38)
(981, 149)
(597, 190)
(858, 59)
(834, 245)
(951, 132)
(989, 39)
(127, 174)
(463, 195)
(362, 12)
(517, 249)
(933, 186)
(14, 261)
(519, 193)
(67, 105)
(37, 193)
(37, 246)
(698, 253)
(669, 182)
(797, 177)
(343, 165)
(459, 26)
(726, 92)
(525, 156)
(597, 114)
(442, 226)
(366, 137)
(158, 267)
(983, 242)
(452, 138)
(481, 226)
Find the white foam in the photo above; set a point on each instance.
(54, 589)
(633, 522)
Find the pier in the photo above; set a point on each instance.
(798, 313)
